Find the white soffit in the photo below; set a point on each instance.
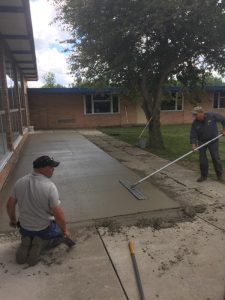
(16, 30)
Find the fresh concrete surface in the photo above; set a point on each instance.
(87, 179)
(83, 273)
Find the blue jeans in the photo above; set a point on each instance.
(51, 232)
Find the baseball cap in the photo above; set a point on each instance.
(44, 161)
(197, 109)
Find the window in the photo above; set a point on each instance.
(22, 101)
(13, 98)
(174, 102)
(101, 104)
(3, 143)
(219, 100)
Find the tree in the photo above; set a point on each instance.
(214, 80)
(50, 81)
(139, 44)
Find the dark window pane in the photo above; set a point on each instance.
(102, 107)
(101, 97)
(1, 102)
(215, 100)
(222, 103)
(3, 142)
(168, 105)
(15, 115)
(179, 104)
(115, 104)
(88, 104)
(173, 102)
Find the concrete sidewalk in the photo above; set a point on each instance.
(83, 273)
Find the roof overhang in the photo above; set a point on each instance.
(16, 30)
(75, 90)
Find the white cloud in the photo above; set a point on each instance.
(49, 56)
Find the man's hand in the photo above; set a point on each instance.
(13, 223)
(194, 146)
(67, 232)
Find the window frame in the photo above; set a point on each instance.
(93, 101)
(177, 94)
(218, 100)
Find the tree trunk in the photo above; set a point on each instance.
(155, 136)
(151, 106)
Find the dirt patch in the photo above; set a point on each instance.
(112, 226)
(154, 223)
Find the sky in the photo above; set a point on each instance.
(49, 52)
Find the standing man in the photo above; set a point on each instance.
(204, 128)
(41, 218)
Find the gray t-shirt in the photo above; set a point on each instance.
(35, 195)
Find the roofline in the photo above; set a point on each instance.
(214, 88)
(110, 90)
(75, 90)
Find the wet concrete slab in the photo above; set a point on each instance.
(87, 179)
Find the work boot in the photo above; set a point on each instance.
(68, 241)
(23, 250)
(201, 179)
(38, 244)
(54, 242)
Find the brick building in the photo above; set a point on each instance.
(70, 108)
(177, 109)
(17, 66)
(61, 108)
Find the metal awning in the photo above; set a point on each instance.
(16, 29)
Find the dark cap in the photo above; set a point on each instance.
(44, 161)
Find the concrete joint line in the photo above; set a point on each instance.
(111, 261)
(201, 193)
(217, 227)
(172, 178)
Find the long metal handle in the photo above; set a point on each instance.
(173, 162)
(136, 271)
(145, 127)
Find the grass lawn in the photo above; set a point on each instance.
(176, 141)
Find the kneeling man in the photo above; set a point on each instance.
(41, 218)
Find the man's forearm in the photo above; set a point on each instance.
(60, 218)
(11, 211)
(62, 223)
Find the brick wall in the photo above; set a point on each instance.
(185, 116)
(66, 111)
